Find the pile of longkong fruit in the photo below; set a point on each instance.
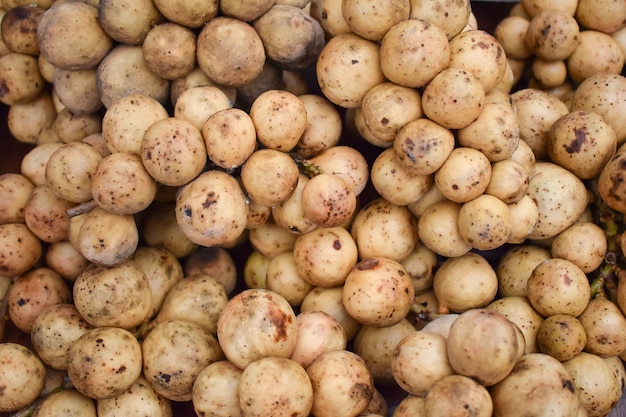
(313, 208)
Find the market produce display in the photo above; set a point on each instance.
(313, 208)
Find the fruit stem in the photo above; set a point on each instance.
(307, 167)
(82, 208)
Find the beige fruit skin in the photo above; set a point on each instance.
(254, 324)
(174, 353)
(139, 398)
(384, 229)
(458, 393)
(438, 228)
(344, 370)
(20, 75)
(291, 37)
(27, 121)
(106, 238)
(54, 331)
(225, 44)
(318, 333)
(278, 183)
(561, 198)
(453, 98)
(123, 71)
(561, 336)
(371, 19)
(70, 36)
(604, 326)
(114, 365)
(190, 13)
(378, 292)
(122, 295)
(33, 292)
(347, 67)
(22, 374)
(198, 298)
(558, 286)
(420, 360)
(20, 249)
(538, 383)
(478, 283)
(552, 35)
(595, 382)
(482, 344)
(407, 65)
(169, 50)
(275, 386)
(215, 389)
(70, 403)
(125, 24)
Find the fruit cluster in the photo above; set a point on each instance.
(325, 207)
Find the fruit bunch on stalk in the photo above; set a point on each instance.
(322, 207)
